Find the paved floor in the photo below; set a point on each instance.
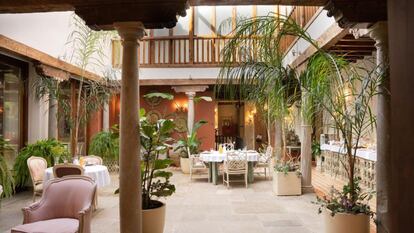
(200, 207)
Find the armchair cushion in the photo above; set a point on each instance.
(57, 225)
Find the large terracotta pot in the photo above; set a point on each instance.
(185, 165)
(153, 220)
(346, 223)
(287, 184)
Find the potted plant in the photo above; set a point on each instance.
(317, 155)
(6, 177)
(345, 92)
(190, 142)
(155, 180)
(287, 178)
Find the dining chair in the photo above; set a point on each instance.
(92, 159)
(71, 214)
(61, 170)
(196, 164)
(235, 164)
(264, 161)
(37, 167)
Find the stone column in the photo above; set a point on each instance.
(190, 111)
(130, 202)
(306, 150)
(379, 33)
(53, 122)
(105, 117)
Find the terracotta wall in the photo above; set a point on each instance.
(95, 125)
(167, 108)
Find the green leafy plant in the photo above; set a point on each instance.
(190, 141)
(6, 177)
(316, 149)
(155, 182)
(106, 144)
(43, 148)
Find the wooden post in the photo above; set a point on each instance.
(130, 199)
(191, 36)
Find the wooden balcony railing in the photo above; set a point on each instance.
(200, 51)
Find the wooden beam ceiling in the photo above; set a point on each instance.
(101, 14)
(353, 49)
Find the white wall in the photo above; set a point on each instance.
(316, 29)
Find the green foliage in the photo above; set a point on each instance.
(6, 177)
(190, 141)
(316, 149)
(106, 144)
(43, 148)
(155, 181)
(344, 202)
(159, 95)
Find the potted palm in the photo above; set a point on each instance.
(345, 92)
(287, 178)
(189, 142)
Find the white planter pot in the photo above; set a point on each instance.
(287, 184)
(345, 223)
(153, 220)
(319, 164)
(185, 165)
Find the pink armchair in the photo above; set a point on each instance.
(65, 207)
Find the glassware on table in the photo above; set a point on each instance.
(56, 160)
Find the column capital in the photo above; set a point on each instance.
(190, 94)
(130, 30)
(379, 32)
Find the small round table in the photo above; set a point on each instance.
(98, 173)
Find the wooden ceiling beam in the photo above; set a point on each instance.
(257, 2)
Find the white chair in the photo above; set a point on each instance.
(228, 146)
(197, 165)
(235, 164)
(264, 161)
(92, 159)
(37, 167)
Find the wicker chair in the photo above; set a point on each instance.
(235, 164)
(55, 213)
(37, 167)
(197, 165)
(61, 170)
(92, 159)
(264, 161)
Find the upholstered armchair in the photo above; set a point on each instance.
(61, 170)
(65, 207)
(37, 167)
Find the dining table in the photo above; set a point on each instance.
(214, 158)
(98, 173)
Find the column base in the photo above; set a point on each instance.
(308, 189)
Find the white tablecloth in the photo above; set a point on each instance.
(98, 173)
(215, 156)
